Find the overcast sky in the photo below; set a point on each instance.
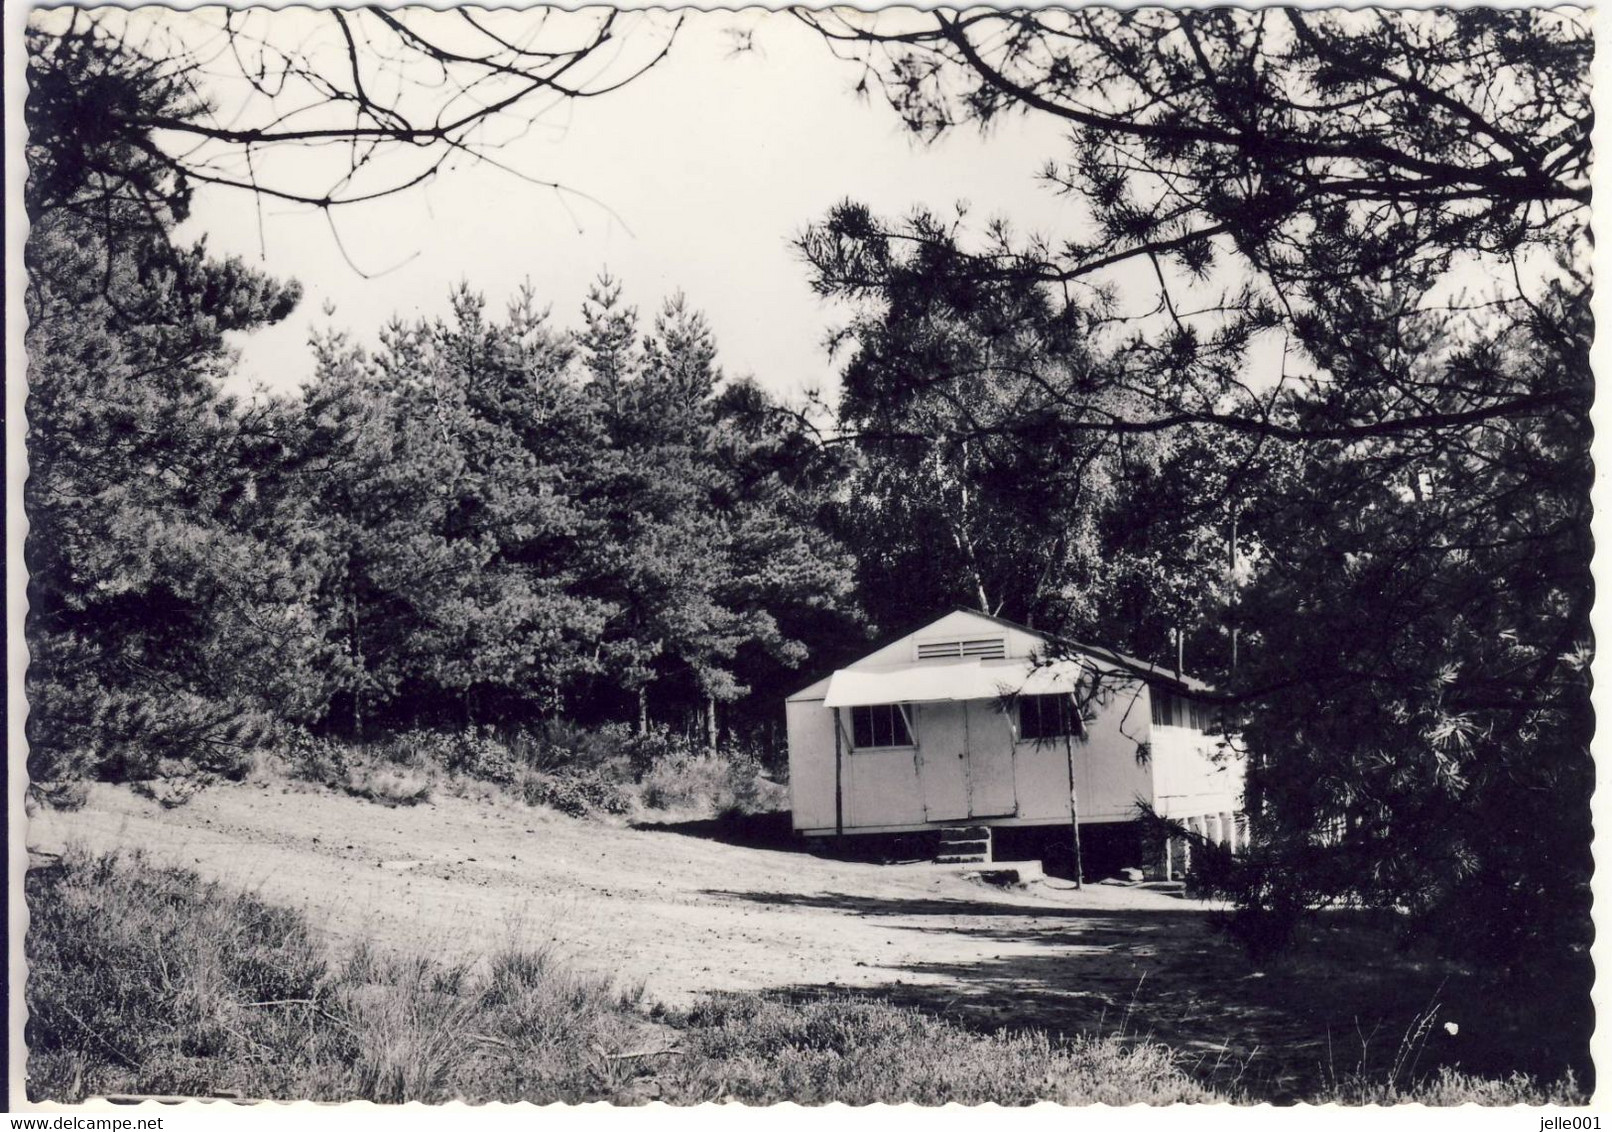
(706, 167)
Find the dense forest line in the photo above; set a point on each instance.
(1379, 555)
(498, 520)
(480, 521)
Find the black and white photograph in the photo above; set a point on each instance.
(801, 556)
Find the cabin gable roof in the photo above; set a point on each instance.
(965, 634)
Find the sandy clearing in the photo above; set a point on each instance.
(682, 915)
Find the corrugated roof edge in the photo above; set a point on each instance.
(1142, 668)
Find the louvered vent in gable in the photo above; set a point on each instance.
(982, 648)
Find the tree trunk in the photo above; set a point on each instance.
(1231, 591)
(959, 530)
(1074, 806)
(710, 724)
(643, 709)
(358, 664)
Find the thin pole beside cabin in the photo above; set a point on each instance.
(839, 785)
(1074, 795)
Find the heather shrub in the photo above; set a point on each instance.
(576, 770)
(67, 796)
(313, 758)
(711, 784)
(579, 794)
(762, 1051)
(388, 785)
(478, 753)
(615, 750)
(172, 792)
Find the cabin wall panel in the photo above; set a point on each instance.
(811, 764)
(1041, 779)
(884, 788)
(1111, 777)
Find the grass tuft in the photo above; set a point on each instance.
(764, 1051)
(1450, 1086)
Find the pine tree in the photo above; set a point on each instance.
(163, 585)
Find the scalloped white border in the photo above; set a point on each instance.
(714, 1118)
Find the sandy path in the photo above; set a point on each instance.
(680, 914)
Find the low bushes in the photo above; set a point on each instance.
(579, 793)
(66, 796)
(710, 784)
(582, 772)
(174, 791)
(390, 786)
(578, 771)
(397, 773)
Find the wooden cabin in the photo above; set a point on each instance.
(979, 721)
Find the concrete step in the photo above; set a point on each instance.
(1005, 873)
(964, 844)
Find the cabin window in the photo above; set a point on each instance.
(879, 725)
(1166, 709)
(1046, 717)
(1170, 710)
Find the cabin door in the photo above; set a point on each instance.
(943, 760)
(990, 764)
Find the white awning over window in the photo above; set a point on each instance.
(942, 683)
(1059, 677)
